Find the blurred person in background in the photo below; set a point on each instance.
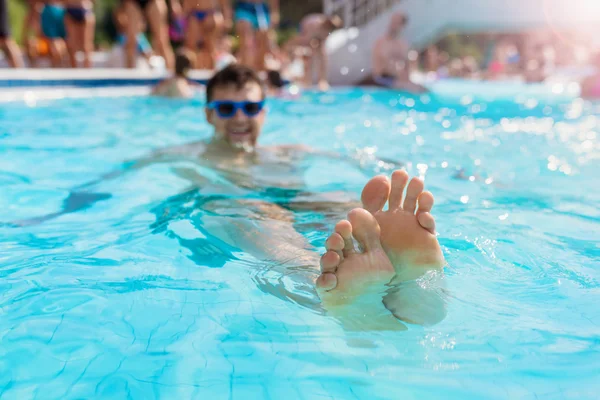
(225, 55)
(470, 67)
(7, 43)
(179, 85)
(142, 44)
(431, 59)
(177, 24)
(310, 42)
(155, 13)
(80, 22)
(205, 22)
(456, 68)
(53, 28)
(31, 34)
(254, 20)
(391, 62)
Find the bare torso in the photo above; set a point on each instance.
(267, 167)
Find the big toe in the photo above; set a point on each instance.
(376, 193)
(365, 229)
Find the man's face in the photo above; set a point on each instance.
(240, 131)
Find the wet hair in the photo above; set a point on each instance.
(183, 62)
(236, 75)
(274, 79)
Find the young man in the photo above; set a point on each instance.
(369, 289)
(7, 44)
(254, 19)
(391, 63)
(310, 43)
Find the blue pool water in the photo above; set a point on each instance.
(131, 297)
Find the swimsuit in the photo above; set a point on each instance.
(143, 46)
(53, 24)
(177, 30)
(256, 13)
(78, 14)
(201, 15)
(4, 26)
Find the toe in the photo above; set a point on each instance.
(415, 188)
(427, 221)
(425, 202)
(335, 242)
(375, 194)
(330, 262)
(365, 229)
(344, 230)
(326, 282)
(399, 181)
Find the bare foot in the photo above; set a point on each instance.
(408, 238)
(353, 282)
(407, 232)
(347, 273)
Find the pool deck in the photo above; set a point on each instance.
(88, 78)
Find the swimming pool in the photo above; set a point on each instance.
(129, 296)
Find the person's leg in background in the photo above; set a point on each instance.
(157, 16)
(134, 17)
(244, 28)
(31, 32)
(73, 38)
(263, 39)
(7, 44)
(262, 48)
(87, 32)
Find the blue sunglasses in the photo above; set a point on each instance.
(228, 108)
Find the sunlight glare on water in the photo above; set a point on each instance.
(131, 295)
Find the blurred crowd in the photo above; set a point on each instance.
(154, 31)
(211, 34)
